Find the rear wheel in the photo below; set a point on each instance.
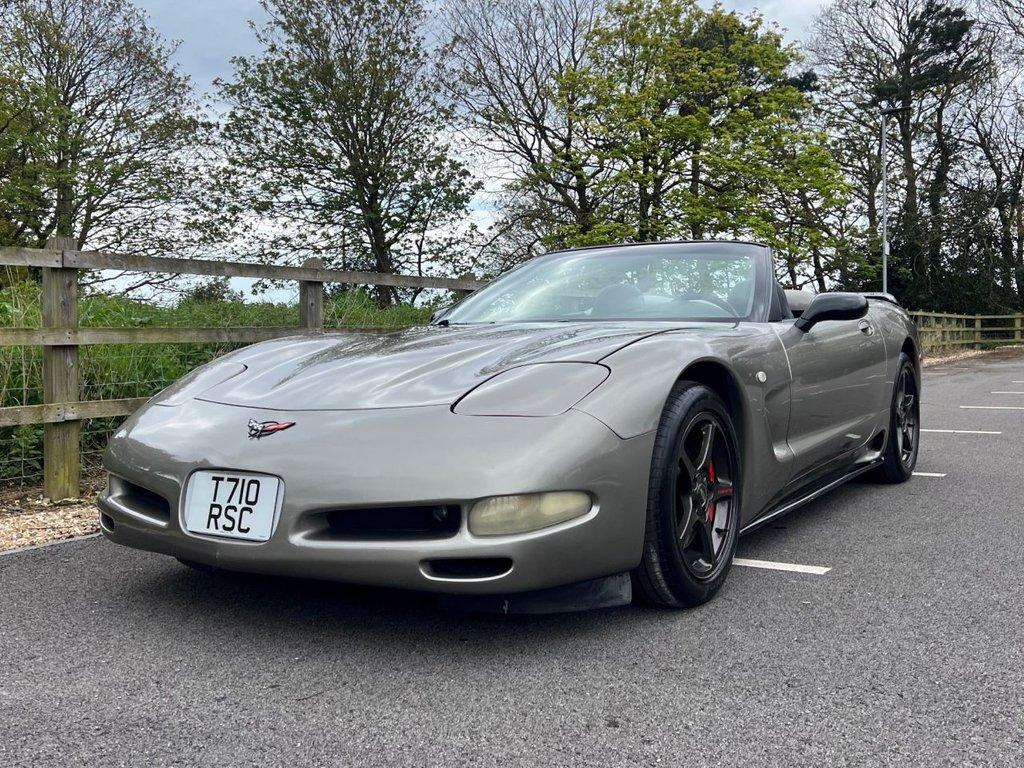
(901, 448)
(693, 501)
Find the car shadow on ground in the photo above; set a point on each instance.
(281, 605)
(223, 601)
(805, 522)
(264, 603)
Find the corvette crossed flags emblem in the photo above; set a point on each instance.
(258, 429)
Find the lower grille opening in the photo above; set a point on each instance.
(469, 567)
(140, 500)
(414, 522)
(106, 521)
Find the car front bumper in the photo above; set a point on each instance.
(380, 458)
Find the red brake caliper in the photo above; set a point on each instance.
(713, 481)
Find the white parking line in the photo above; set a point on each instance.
(1006, 392)
(817, 570)
(929, 474)
(992, 407)
(963, 431)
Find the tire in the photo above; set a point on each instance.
(903, 440)
(688, 551)
(201, 567)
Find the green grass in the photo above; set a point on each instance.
(110, 372)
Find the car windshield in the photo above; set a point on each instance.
(685, 282)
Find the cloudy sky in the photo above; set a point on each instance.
(212, 31)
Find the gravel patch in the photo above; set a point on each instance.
(1000, 353)
(27, 519)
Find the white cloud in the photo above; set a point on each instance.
(794, 16)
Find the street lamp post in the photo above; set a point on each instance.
(885, 197)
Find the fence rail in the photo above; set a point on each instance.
(946, 332)
(61, 413)
(312, 271)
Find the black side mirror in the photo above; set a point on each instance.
(833, 306)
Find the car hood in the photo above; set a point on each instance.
(429, 365)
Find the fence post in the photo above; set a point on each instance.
(1017, 327)
(977, 331)
(61, 460)
(461, 294)
(311, 299)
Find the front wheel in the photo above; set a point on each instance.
(693, 503)
(901, 448)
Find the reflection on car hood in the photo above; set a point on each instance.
(429, 365)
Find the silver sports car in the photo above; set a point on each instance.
(595, 423)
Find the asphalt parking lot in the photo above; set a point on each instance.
(908, 651)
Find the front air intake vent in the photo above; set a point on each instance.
(468, 568)
(139, 501)
(392, 523)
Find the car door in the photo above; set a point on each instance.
(837, 368)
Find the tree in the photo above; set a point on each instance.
(510, 60)
(702, 119)
(1010, 14)
(337, 138)
(19, 191)
(109, 154)
(642, 120)
(925, 57)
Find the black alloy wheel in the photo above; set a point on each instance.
(693, 501)
(901, 448)
(703, 495)
(907, 420)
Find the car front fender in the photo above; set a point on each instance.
(747, 357)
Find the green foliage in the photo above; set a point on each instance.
(19, 184)
(98, 130)
(214, 289)
(696, 112)
(950, 74)
(648, 120)
(336, 132)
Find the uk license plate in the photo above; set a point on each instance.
(238, 505)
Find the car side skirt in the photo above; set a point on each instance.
(806, 495)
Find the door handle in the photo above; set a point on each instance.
(865, 327)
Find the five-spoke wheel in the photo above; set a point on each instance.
(693, 500)
(906, 408)
(900, 455)
(703, 494)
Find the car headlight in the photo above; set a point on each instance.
(201, 379)
(504, 515)
(540, 389)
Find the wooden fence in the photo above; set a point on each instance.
(62, 413)
(942, 333)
